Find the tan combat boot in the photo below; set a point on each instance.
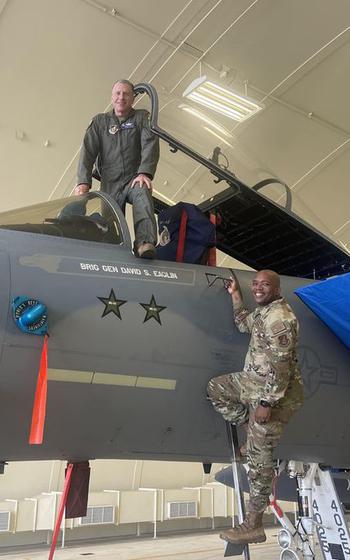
(250, 531)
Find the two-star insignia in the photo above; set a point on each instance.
(112, 305)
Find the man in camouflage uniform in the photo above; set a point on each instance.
(128, 153)
(264, 395)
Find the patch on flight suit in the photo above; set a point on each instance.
(259, 323)
(283, 340)
(127, 124)
(164, 237)
(278, 327)
(113, 129)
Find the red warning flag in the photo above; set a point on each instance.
(39, 408)
(61, 507)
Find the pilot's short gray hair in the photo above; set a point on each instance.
(124, 81)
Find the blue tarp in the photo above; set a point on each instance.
(330, 300)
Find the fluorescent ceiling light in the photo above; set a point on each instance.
(206, 119)
(224, 101)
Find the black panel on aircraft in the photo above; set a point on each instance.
(262, 234)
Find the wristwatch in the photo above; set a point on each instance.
(265, 404)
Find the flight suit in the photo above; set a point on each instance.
(125, 148)
(270, 373)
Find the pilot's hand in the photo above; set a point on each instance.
(81, 189)
(262, 414)
(142, 181)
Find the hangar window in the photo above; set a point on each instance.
(88, 218)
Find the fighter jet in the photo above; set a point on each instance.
(133, 343)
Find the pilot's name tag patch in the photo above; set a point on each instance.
(127, 124)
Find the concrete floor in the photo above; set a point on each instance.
(201, 546)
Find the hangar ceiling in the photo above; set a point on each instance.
(59, 60)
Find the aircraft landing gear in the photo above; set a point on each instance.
(320, 509)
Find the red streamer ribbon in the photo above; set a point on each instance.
(39, 408)
(62, 505)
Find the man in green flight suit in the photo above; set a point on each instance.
(264, 395)
(128, 154)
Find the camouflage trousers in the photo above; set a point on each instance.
(228, 395)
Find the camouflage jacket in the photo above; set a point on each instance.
(271, 365)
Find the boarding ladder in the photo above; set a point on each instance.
(236, 549)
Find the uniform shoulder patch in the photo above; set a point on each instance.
(284, 340)
(278, 327)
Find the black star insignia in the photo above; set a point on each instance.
(112, 304)
(152, 310)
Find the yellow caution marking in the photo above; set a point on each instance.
(99, 378)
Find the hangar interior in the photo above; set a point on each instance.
(58, 62)
(126, 499)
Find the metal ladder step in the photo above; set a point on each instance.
(236, 549)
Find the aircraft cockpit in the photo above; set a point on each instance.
(87, 218)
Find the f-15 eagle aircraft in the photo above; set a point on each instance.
(133, 343)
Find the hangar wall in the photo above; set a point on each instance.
(126, 499)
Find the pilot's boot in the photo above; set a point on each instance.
(147, 251)
(250, 531)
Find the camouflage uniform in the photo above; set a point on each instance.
(270, 373)
(125, 147)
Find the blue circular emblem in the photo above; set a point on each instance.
(30, 315)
